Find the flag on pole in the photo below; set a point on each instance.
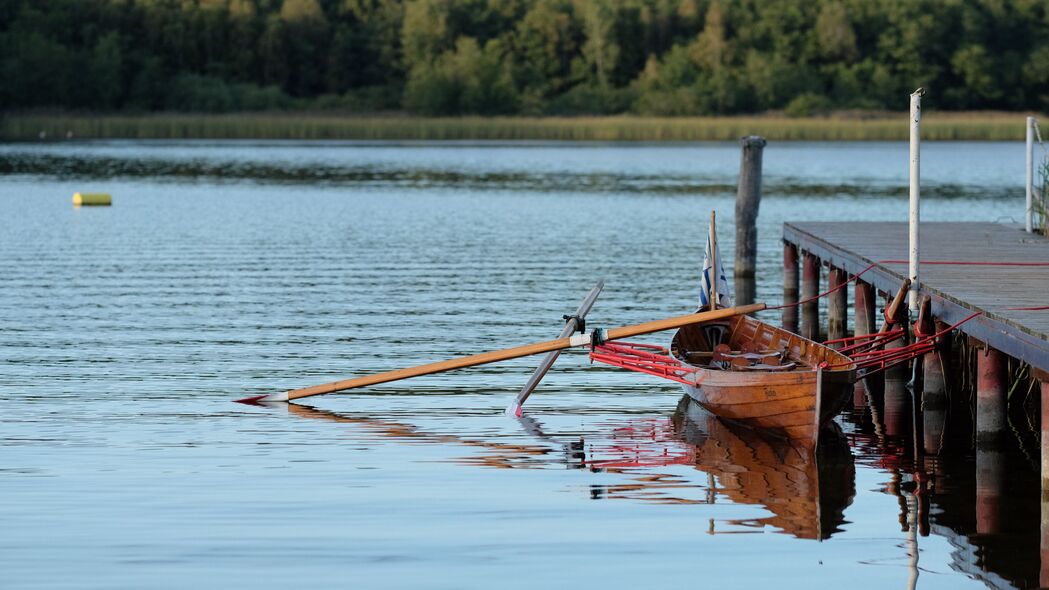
(724, 300)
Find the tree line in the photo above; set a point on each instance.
(530, 57)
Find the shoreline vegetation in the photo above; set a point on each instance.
(847, 126)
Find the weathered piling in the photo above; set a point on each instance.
(934, 397)
(810, 288)
(865, 303)
(837, 305)
(748, 201)
(863, 324)
(990, 396)
(897, 398)
(990, 421)
(790, 287)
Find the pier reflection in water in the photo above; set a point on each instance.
(981, 496)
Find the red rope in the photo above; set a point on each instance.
(894, 356)
(825, 293)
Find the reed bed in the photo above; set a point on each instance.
(884, 127)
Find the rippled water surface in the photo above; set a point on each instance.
(226, 269)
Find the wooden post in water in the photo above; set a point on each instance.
(863, 324)
(810, 287)
(837, 305)
(934, 395)
(990, 395)
(790, 287)
(990, 422)
(865, 302)
(896, 397)
(748, 200)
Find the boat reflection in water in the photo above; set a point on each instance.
(806, 492)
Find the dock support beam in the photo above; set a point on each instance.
(865, 303)
(934, 397)
(990, 421)
(990, 395)
(810, 288)
(863, 324)
(790, 287)
(837, 305)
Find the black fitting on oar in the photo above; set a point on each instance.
(598, 337)
(580, 323)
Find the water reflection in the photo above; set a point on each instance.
(221, 167)
(807, 494)
(983, 499)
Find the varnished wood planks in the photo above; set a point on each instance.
(784, 402)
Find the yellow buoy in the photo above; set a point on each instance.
(92, 199)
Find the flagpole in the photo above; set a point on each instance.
(714, 276)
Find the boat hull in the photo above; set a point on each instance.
(795, 404)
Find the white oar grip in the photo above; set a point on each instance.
(580, 339)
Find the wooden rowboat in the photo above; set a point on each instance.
(765, 377)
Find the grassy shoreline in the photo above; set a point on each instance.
(980, 126)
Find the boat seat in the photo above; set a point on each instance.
(764, 367)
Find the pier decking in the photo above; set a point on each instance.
(956, 290)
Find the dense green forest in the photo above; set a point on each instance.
(533, 57)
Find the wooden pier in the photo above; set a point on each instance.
(996, 270)
(956, 290)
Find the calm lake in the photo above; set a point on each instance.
(227, 269)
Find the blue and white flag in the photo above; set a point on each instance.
(724, 299)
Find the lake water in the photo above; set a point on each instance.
(227, 269)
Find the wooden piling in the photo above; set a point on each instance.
(934, 397)
(990, 396)
(990, 421)
(837, 305)
(810, 287)
(748, 200)
(865, 303)
(790, 287)
(863, 324)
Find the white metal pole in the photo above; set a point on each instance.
(1029, 187)
(916, 124)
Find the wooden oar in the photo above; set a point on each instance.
(571, 325)
(510, 353)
